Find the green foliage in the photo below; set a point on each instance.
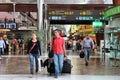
(39, 35)
(27, 37)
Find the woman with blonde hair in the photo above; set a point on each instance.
(34, 51)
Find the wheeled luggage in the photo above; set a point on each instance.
(51, 67)
(67, 66)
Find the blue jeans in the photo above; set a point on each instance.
(58, 61)
(32, 56)
(14, 47)
(1, 51)
(87, 52)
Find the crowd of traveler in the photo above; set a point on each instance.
(58, 45)
(11, 46)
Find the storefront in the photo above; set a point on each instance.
(112, 31)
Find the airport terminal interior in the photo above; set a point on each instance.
(75, 19)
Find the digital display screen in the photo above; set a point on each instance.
(75, 15)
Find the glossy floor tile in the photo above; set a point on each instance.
(63, 77)
(16, 67)
(20, 65)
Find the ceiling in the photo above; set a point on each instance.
(5, 7)
(18, 1)
(31, 5)
(77, 7)
(23, 0)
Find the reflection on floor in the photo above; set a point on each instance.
(13, 67)
(63, 77)
(20, 65)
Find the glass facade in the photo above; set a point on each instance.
(113, 41)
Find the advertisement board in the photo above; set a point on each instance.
(8, 25)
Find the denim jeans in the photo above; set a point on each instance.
(32, 57)
(58, 61)
(1, 51)
(87, 52)
(14, 47)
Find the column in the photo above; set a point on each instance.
(40, 21)
(14, 4)
(40, 14)
(46, 30)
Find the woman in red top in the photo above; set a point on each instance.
(15, 42)
(58, 46)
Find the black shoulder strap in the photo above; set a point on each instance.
(32, 47)
(5, 42)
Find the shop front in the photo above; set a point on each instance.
(112, 32)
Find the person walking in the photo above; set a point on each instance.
(6, 50)
(15, 43)
(34, 51)
(2, 46)
(87, 45)
(58, 46)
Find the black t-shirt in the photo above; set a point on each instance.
(36, 48)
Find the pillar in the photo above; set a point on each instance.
(14, 16)
(40, 20)
(46, 29)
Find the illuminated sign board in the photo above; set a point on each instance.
(75, 15)
(112, 11)
(97, 24)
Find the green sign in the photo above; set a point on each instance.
(97, 24)
(112, 11)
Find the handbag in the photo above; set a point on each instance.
(82, 54)
(51, 54)
(39, 63)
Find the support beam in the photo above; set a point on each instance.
(40, 20)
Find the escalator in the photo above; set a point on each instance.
(29, 17)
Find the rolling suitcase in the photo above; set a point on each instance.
(67, 66)
(51, 67)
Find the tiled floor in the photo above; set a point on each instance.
(17, 68)
(64, 77)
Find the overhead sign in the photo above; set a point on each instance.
(97, 24)
(75, 14)
(112, 11)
